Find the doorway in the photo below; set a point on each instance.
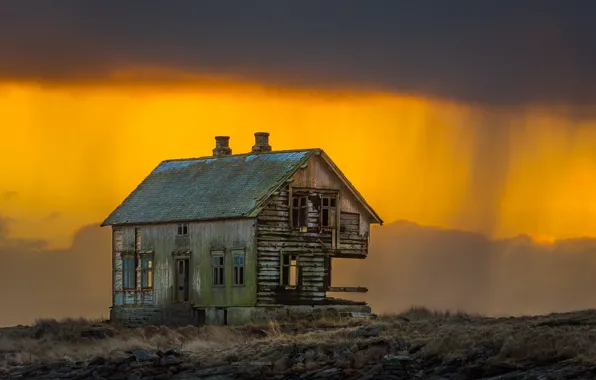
(182, 280)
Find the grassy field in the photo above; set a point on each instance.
(433, 341)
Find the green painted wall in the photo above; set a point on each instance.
(203, 238)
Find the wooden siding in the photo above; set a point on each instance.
(274, 239)
(317, 174)
(313, 247)
(351, 242)
(162, 241)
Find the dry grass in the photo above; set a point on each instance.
(427, 335)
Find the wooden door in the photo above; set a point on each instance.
(182, 280)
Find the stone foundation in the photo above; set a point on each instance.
(138, 316)
(131, 316)
(243, 315)
(183, 315)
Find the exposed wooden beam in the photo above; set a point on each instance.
(340, 255)
(347, 289)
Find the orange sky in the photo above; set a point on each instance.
(71, 153)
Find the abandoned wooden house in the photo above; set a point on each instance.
(225, 239)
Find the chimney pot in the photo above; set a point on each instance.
(222, 146)
(261, 142)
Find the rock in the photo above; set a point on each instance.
(169, 360)
(82, 374)
(372, 373)
(173, 352)
(394, 358)
(136, 375)
(367, 332)
(137, 365)
(104, 370)
(186, 366)
(98, 360)
(213, 371)
(330, 372)
(500, 369)
(143, 355)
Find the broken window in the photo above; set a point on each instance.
(299, 211)
(182, 229)
(218, 268)
(328, 212)
(129, 272)
(147, 272)
(238, 257)
(290, 273)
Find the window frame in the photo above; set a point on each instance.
(299, 211)
(328, 208)
(240, 269)
(147, 276)
(182, 229)
(129, 271)
(288, 267)
(221, 267)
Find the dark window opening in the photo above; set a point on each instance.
(299, 211)
(218, 269)
(325, 218)
(238, 258)
(182, 229)
(290, 270)
(328, 212)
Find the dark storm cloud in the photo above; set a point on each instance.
(493, 52)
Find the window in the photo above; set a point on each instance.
(218, 268)
(299, 211)
(129, 272)
(328, 211)
(290, 271)
(238, 257)
(147, 272)
(182, 229)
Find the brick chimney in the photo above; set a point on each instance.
(222, 146)
(261, 142)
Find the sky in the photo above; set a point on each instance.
(473, 118)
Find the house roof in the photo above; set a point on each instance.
(210, 188)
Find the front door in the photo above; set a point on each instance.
(182, 280)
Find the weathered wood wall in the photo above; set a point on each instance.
(202, 239)
(274, 239)
(318, 175)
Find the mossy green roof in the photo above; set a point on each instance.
(207, 188)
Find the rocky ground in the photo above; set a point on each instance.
(415, 345)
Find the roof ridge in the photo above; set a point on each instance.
(242, 154)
